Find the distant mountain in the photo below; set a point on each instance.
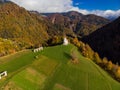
(81, 24)
(106, 40)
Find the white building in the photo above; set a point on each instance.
(65, 41)
(3, 74)
(38, 49)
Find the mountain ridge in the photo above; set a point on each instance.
(81, 24)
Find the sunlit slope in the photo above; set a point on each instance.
(53, 70)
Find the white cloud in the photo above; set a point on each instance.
(107, 13)
(83, 11)
(45, 6)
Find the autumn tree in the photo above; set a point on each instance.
(118, 73)
(7, 47)
(86, 51)
(55, 40)
(76, 42)
(97, 58)
(105, 61)
(109, 65)
(115, 68)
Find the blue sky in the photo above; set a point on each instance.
(97, 4)
(104, 8)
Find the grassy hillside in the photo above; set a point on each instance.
(53, 70)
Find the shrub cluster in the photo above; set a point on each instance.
(55, 40)
(7, 47)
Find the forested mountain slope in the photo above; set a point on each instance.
(106, 40)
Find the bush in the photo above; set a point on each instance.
(74, 57)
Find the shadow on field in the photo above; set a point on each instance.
(67, 55)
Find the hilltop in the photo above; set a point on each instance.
(53, 70)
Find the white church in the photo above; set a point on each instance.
(65, 41)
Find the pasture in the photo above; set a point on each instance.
(53, 70)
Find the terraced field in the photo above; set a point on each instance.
(52, 69)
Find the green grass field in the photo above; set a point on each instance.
(53, 70)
